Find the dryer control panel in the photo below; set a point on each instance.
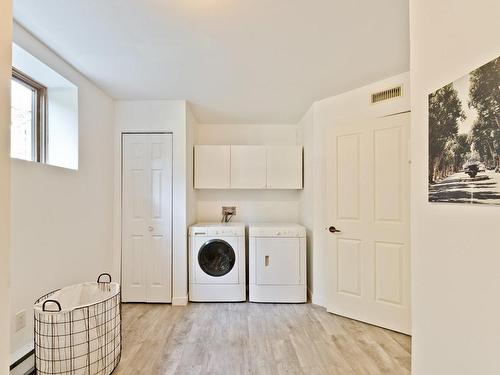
(276, 230)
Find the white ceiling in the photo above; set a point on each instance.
(236, 61)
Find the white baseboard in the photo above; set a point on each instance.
(24, 368)
(180, 301)
(317, 299)
(23, 360)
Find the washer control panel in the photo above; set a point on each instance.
(223, 232)
(217, 230)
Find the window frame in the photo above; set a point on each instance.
(39, 119)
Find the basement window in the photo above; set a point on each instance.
(44, 113)
(28, 108)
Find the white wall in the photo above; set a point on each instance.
(62, 134)
(252, 205)
(455, 248)
(5, 74)
(247, 134)
(306, 196)
(61, 218)
(191, 128)
(327, 113)
(159, 116)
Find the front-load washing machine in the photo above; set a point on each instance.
(277, 263)
(217, 262)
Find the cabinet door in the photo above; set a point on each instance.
(212, 167)
(284, 167)
(248, 167)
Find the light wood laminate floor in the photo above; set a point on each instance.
(248, 338)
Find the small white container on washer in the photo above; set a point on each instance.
(277, 263)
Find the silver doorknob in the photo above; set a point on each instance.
(150, 228)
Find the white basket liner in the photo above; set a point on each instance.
(84, 338)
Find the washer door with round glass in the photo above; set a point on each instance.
(216, 257)
(216, 260)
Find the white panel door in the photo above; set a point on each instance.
(147, 217)
(248, 167)
(212, 167)
(368, 202)
(284, 167)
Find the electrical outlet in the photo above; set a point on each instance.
(228, 210)
(20, 320)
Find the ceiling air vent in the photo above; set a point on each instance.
(388, 94)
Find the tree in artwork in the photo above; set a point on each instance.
(445, 111)
(484, 96)
(464, 138)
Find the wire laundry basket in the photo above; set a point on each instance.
(78, 329)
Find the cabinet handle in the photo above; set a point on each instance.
(266, 260)
(150, 228)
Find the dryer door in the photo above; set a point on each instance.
(278, 261)
(216, 261)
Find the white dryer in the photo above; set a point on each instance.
(217, 262)
(277, 263)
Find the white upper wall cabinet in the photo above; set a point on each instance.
(248, 167)
(284, 167)
(212, 167)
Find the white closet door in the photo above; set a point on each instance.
(147, 217)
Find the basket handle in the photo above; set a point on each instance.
(104, 274)
(51, 301)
